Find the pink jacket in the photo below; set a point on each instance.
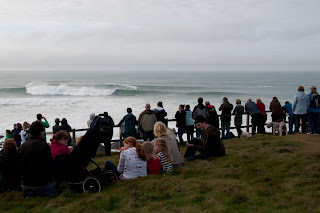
(58, 149)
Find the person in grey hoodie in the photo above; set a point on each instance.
(200, 109)
(91, 119)
(300, 107)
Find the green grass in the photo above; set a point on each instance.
(263, 173)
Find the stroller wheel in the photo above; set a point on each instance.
(91, 184)
(110, 176)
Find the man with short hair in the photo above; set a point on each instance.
(146, 120)
(45, 125)
(255, 114)
(314, 110)
(35, 164)
(211, 145)
(200, 109)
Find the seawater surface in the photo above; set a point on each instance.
(75, 95)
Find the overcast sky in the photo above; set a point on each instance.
(168, 35)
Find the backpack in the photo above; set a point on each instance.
(27, 135)
(315, 99)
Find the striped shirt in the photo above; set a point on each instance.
(165, 164)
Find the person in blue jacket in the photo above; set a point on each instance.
(288, 109)
(130, 124)
(314, 110)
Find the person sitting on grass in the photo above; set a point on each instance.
(211, 145)
(132, 162)
(153, 162)
(59, 143)
(9, 169)
(35, 164)
(163, 153)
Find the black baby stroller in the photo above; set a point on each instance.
(73, 167)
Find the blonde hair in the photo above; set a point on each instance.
(139, 149)
(162, 143)
(148, 150)
(78, 140)
(259, 100)
(25, 126)
(160, 129)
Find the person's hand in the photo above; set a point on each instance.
(121, 149)
(44, 118)
(189, 145)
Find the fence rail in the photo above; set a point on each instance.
(247, 126)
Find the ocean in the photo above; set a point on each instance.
(75, 95)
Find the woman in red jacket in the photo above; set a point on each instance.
(59, 143)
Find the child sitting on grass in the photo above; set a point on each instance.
(59, 143)
(163, 153)
(132, 162)
(153, 162)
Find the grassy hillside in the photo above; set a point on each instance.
(263, 173)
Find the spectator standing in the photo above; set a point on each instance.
(25, 135)
(189, 123)
(225, 117)
(45, 125)
(200, 109)
(300, 107)
(16, 134)
(314, 110)
(65, 126)
(130, 122)
(263, 118)
(147, 119)
(288, 109)
(238, 112)
(160, 113)
(255, 114)
(56, 127)
(92, 116)
(213, 118)
(181, 123)
(276, 110)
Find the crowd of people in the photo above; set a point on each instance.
(26, 158)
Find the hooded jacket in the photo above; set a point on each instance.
(212, 143)
(200, 109)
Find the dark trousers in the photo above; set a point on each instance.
(107, 147)
(180, 133)
(303, 119)
(239, 131)
(147, 135)
(314, 119)
(190, 153)
(189, 130)
(277, 117)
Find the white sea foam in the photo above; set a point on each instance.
(41, 88)
(123, 86)
(37, 101)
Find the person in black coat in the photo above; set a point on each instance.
(181, 123)
(65, 126)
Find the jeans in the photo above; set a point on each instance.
(303, 119)
(189, 130)
(190, 153)
(292, 120)
(110, 166)
(147, 135)
(199, 133)
(238, 127)
(42, 190)
(225, 126)
(314, 119)
(180, 133)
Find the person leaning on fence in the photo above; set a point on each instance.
(181, 123)
(288, 109)
(263, 118)
(200, 109)
(146, 120)
(189, 123)
(314, 110)
(300, 107)
(130, 122)
(238, 112)
(211, 145)
(35, 164)
(225, 117)
(255, 114)
(276, 110)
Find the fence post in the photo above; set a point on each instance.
(73, 137)
(248, 117)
